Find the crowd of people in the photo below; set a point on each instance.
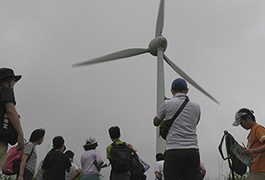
(180, 161)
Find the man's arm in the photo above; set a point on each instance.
(158, 175)
(78, 172)
(68, 163)
(13, 117)
(202, 169)
(156, 121)
(22, 166)
(250, 152)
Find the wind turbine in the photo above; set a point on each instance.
(156, 47)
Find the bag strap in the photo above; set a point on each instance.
(96, 164)
(228, 158)
(114, 143)
(220, 146)
(31, 152)
(181, 108)
(170, 122)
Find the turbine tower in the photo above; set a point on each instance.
(156, 47)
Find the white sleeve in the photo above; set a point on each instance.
(156, 168)
(74, 166)
(161, 112)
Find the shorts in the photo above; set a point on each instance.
(257, 176)
(90, 177)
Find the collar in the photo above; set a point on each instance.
(115, 140)
(180, 95)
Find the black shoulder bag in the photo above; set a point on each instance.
(165, 125)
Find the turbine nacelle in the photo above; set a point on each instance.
(158, 43)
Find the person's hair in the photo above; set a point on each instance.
(114, 132)
(89, 147)
(180, 89)
(36, 135)
(70, 153)
(160, 156)
(249, 112)
(6, 79)
(57, 142)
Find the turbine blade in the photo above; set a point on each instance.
(117, 55)
(160, 19)
(187, 78)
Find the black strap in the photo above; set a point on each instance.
(170, 122)
(220, 146)
(228, 158)
(31, 151)
(96, 164)
(181, 108)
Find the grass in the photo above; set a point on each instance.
(5, 177)
(229, 177)
(223, 177)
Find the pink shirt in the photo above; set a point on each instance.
(87, 162)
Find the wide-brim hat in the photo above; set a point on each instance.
(7, 72)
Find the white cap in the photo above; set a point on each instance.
(239, 114)
(90, 141)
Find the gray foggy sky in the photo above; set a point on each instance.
(218, 43)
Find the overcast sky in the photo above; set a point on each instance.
(220, 44)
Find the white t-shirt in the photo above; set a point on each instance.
(87, 162)
(32, 160)
(182, 133)
(159, 166)
(69, 175)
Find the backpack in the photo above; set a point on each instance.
(235, 164)
(12, 162)
(137, 168)
(120, 157)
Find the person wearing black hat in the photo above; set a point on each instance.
(8, 111)
(182, 157)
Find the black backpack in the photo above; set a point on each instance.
(137, 168)
(235, 164)
(120, 155)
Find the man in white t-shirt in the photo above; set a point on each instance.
(74, 168)
(182, 157)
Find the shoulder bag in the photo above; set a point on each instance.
(165, 125)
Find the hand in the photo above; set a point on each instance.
(20, 177)
(248, 152)
(20, 140)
